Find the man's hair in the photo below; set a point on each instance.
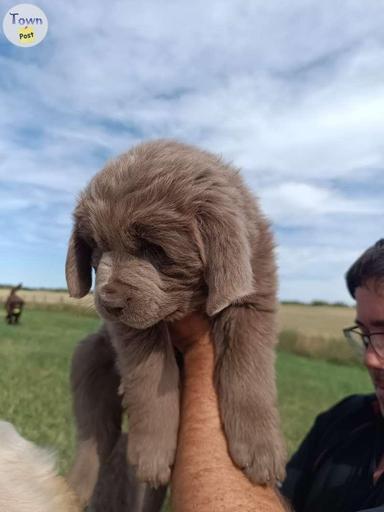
(370, 265)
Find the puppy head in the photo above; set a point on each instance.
(163, 236)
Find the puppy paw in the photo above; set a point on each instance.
(153, 464)
(262, 458)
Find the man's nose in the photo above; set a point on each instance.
(371, 359)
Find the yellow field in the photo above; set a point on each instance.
(310, 321)
(314, 321)
(49, 297)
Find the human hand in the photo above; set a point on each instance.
(190, 332)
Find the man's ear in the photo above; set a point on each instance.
(228, 270)
(78, 269)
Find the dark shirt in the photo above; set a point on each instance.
(333, 469)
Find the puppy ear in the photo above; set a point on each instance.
(228, 270)
(78, 270)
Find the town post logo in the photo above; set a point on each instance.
(25, 25)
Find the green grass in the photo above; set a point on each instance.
(34, 394)
(308, 387)
(34, 366)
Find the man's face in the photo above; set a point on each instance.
(370, 317)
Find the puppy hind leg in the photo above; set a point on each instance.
(85, 469)
(97, 409)
(118, 490)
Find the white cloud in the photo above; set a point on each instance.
(291, 92)
(293, 203)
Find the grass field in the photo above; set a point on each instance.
(35, 356)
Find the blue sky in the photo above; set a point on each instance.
(293, 92)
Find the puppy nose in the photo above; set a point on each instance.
(113, 300)
(111, 294)
(115, 311)
(109, 289)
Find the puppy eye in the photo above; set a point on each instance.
(96, 256)
(89, 241)
(154, 253)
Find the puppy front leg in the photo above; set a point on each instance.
(245, 381)
(150, 379)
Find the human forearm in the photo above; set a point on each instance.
(204, 477)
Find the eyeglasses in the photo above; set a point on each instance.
(360, 341)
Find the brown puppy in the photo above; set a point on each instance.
(170, 229)
(14, 306)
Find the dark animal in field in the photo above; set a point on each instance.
(170, 229)
(14, 305)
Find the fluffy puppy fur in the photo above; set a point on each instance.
(171, 229)
(28, 478)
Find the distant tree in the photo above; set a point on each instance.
(293, 302)
(320, 303)
(340, 304)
